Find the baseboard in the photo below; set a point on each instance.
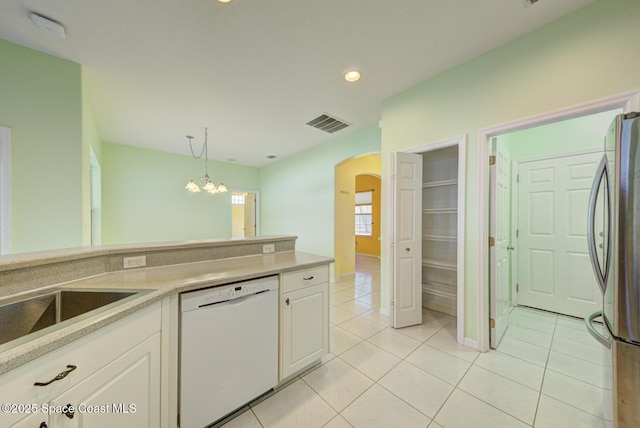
(473, 344)
(373, 256)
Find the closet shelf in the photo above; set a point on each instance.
(439, 264)
(447, 238)
(438, 290)
(440, 183)
(439, 210)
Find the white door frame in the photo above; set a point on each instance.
(5, 190)
(257, 192)
(628, 101)
(461, 142)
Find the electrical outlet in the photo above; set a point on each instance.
(268, 248)
(134, 262)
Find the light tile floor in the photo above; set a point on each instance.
(547, 372)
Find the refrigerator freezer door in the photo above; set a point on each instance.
(622, 297)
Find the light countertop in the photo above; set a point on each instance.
(164, 281)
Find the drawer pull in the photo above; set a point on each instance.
(288, 302)
(59, 376)
(308, 278)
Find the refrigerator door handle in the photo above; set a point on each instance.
(602, 173)
(604, 341)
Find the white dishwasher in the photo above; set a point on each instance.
(228, 348)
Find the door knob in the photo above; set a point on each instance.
(407, 249)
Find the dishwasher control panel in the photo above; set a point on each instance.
(209, 296)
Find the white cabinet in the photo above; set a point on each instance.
(119, 363)
(304, 321)
(35, 420)
(123, 393)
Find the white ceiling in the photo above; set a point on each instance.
(255, 71)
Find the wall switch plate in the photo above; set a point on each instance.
(134, 262)
(268, 248)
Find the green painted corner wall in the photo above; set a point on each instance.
(42, 103)
(298, 192)
(144, 199)
(572, 60)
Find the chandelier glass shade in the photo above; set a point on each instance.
(205, 182)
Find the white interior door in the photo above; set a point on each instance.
(407, 239)
(250, 215)
(554, 270)
(500, 286)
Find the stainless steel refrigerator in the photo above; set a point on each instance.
(614, 247)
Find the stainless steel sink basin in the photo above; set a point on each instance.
(39, 311)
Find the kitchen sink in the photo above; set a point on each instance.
(21, 317)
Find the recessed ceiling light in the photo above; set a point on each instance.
(224, 1)
(352, 75)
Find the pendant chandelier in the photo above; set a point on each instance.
(203, 183)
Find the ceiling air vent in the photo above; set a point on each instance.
(528, 3)
(327, 123)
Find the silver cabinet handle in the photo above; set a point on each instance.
(59, 376)
(308, 278)
(509, 248)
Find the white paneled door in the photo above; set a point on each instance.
(554, 271)
(407, 239)
(500, 301)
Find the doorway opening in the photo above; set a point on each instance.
(487, 320)
(427, 234)
(540, 186)
(350, 218)
(244, 214)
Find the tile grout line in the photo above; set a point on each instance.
(544, 374)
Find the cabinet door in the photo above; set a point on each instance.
(305, 328)
(124, 393)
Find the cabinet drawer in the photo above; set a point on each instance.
(300, 279)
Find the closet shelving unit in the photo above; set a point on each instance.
(439, 229)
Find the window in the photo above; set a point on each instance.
(364, 213)
(237, 199)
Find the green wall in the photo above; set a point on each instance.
(41, 102)
(298, 192)
(568, 136)
(144, 199)
(569, 61)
